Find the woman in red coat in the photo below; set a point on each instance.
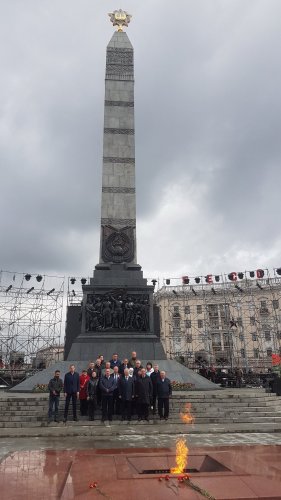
(83, 393)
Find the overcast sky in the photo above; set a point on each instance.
(208, 134)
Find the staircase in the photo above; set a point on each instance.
(229, 410)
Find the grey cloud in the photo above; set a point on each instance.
(207, 129)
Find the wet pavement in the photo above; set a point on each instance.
(8, 445)
(222, 473)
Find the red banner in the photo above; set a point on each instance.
(276, 359)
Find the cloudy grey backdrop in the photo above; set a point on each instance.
(208, 80)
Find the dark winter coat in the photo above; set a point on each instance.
(126, 388)
(92, 388)
(164, 388)
(107, 385)
(144, 390)
(155, 377)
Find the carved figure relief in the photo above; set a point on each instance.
(117, 244)
(117, 312)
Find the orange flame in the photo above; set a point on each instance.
(186, 417)
(181, 457)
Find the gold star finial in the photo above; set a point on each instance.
(120, 18)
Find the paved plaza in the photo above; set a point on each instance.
(8, 445)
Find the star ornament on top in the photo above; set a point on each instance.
(120, 18)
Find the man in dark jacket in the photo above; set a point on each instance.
(143, 395)
(126, 389)
(138, 367)
(124, 365)
(71, 388)
(115, 361)
(116, 401)
(164, 391)
(107, 386)
(98, 370)
(55, 387)
(154, 377)
(91, 368)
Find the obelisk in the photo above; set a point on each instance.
(117, 312)
(118, 207)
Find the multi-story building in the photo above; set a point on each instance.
(227, 323)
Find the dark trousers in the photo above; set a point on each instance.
(126, 409)
(73, 397)
(83, 407)
(92, 404)
(143, 410)
(154, 399)
(98, 395)
(134, 407)
(116, 403)
(163, 403)
(107, 406)
(53, 403)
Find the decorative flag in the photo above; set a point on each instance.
(276, 359)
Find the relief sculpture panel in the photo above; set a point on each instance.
(117, 311)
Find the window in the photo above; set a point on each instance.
(254, 337)
(176, 310)
(275, 304)
(241, 337)
(189, 339)
(256, 353)
(199, 309)
(187, 309)
(242, 353)
(200, 323)
(278, 335)
(252, 320)
(213, 310)
(269, 352)
(187, 323)
(214, 323)
(177, 323)
(267, 336)
(239, 321)
(263, 304)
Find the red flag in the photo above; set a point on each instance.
(276, 359)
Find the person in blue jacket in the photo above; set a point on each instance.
(107, 387)
(71, 388)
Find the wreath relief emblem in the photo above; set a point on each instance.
(118, 244)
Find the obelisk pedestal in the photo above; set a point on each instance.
(117, 313)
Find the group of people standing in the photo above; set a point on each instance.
(121, 388)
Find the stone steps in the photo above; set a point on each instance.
(25, 421)
(176, 403)
(105, 431)
(184, 429)
(254, 410)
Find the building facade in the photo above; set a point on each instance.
(227, 324)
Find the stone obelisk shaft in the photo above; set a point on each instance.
(118, 207)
